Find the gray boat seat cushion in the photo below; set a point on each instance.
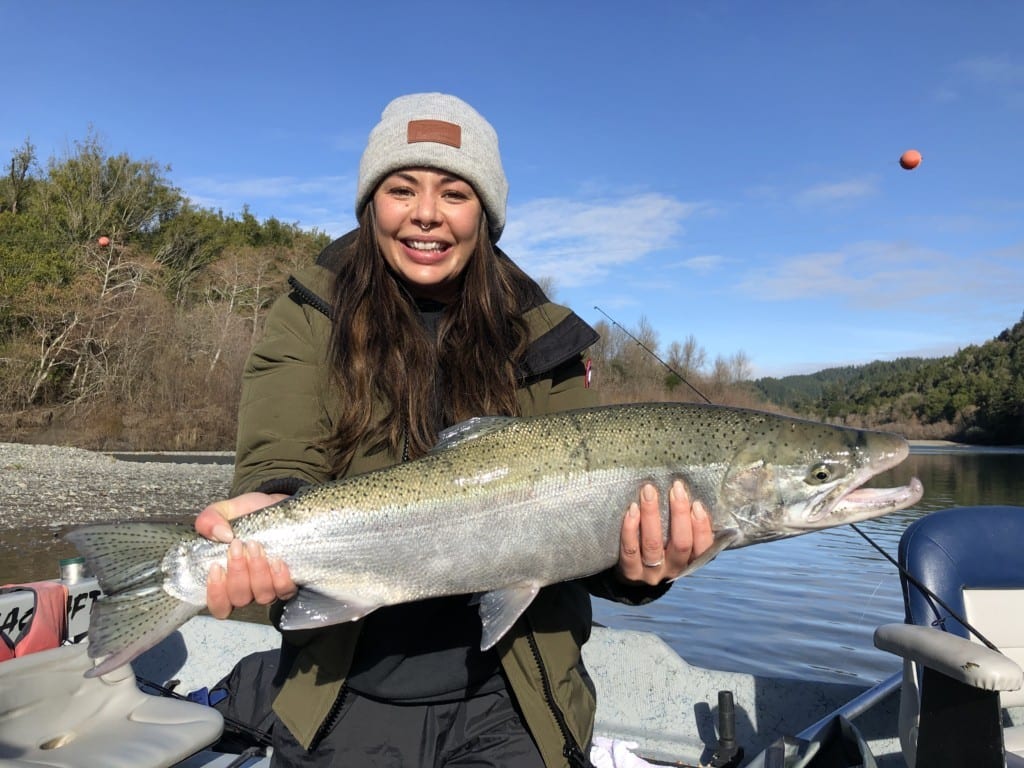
(51, 715)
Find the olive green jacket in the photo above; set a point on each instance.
(287, 410)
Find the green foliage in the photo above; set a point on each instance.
(975, 395)
(89, 193)
(17, 185)
(139, 342)
(27, 258)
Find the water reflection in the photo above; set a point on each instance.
(961, 478)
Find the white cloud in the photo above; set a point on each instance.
(271, 187)
(703, 264)
(869, 274)
(999, 74)
(992, 70)
(578, 242)
(838, 192)
(895, 277)
(323, 202)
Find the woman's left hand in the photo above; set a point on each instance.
(644, 555)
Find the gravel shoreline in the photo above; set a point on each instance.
(52, 486)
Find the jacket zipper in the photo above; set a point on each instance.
(330, 721)
(310, 298)
(570, 750)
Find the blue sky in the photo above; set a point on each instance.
(726, 170)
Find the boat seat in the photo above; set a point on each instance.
(51, 715)
(956, 691)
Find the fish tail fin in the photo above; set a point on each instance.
(135, 612)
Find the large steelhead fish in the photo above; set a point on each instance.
(500, 507)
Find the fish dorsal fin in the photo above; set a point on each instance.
(470, 429)
(310, 609)
(500, 608)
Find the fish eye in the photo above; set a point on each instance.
(820, 473)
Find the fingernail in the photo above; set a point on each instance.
(235, 549)
(698, 511)
(678, 490)
(276, 564)
(648, 492)
(634, 510)
(223, 534)
(216, 574)
(253, 549)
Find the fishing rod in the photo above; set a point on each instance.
(653, 354)
(903, 571)
(928, 593)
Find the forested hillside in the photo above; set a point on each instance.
(976, 395)
(126, 314)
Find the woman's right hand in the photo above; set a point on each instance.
(250, 575)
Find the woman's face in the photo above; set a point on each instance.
(427, 226)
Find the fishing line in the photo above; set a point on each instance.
(927, 592)
(651, 352)
(903, 571)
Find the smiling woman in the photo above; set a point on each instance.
(410, 325)
(427, 225)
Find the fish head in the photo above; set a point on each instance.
(796, 476)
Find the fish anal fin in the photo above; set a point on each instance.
(723, 540)
(500, 608)
(310, 609)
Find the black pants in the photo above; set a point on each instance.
(483, 732)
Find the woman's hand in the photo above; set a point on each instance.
(250, 575)
(644, 556)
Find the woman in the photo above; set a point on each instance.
(411, 324)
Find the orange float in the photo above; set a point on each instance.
(910, 159)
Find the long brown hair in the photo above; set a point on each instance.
(384, 360)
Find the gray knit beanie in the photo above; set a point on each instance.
(435, 130)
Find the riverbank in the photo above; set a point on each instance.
(56, 486)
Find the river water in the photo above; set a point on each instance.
(807, 607)
(804, 607)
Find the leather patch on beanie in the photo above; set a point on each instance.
(437, 131)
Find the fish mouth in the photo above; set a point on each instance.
(865, 503)
(879, 501)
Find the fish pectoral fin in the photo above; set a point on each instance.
(310, 609)
(500, 608)
(723, 540)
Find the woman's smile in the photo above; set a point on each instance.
(427, 226)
